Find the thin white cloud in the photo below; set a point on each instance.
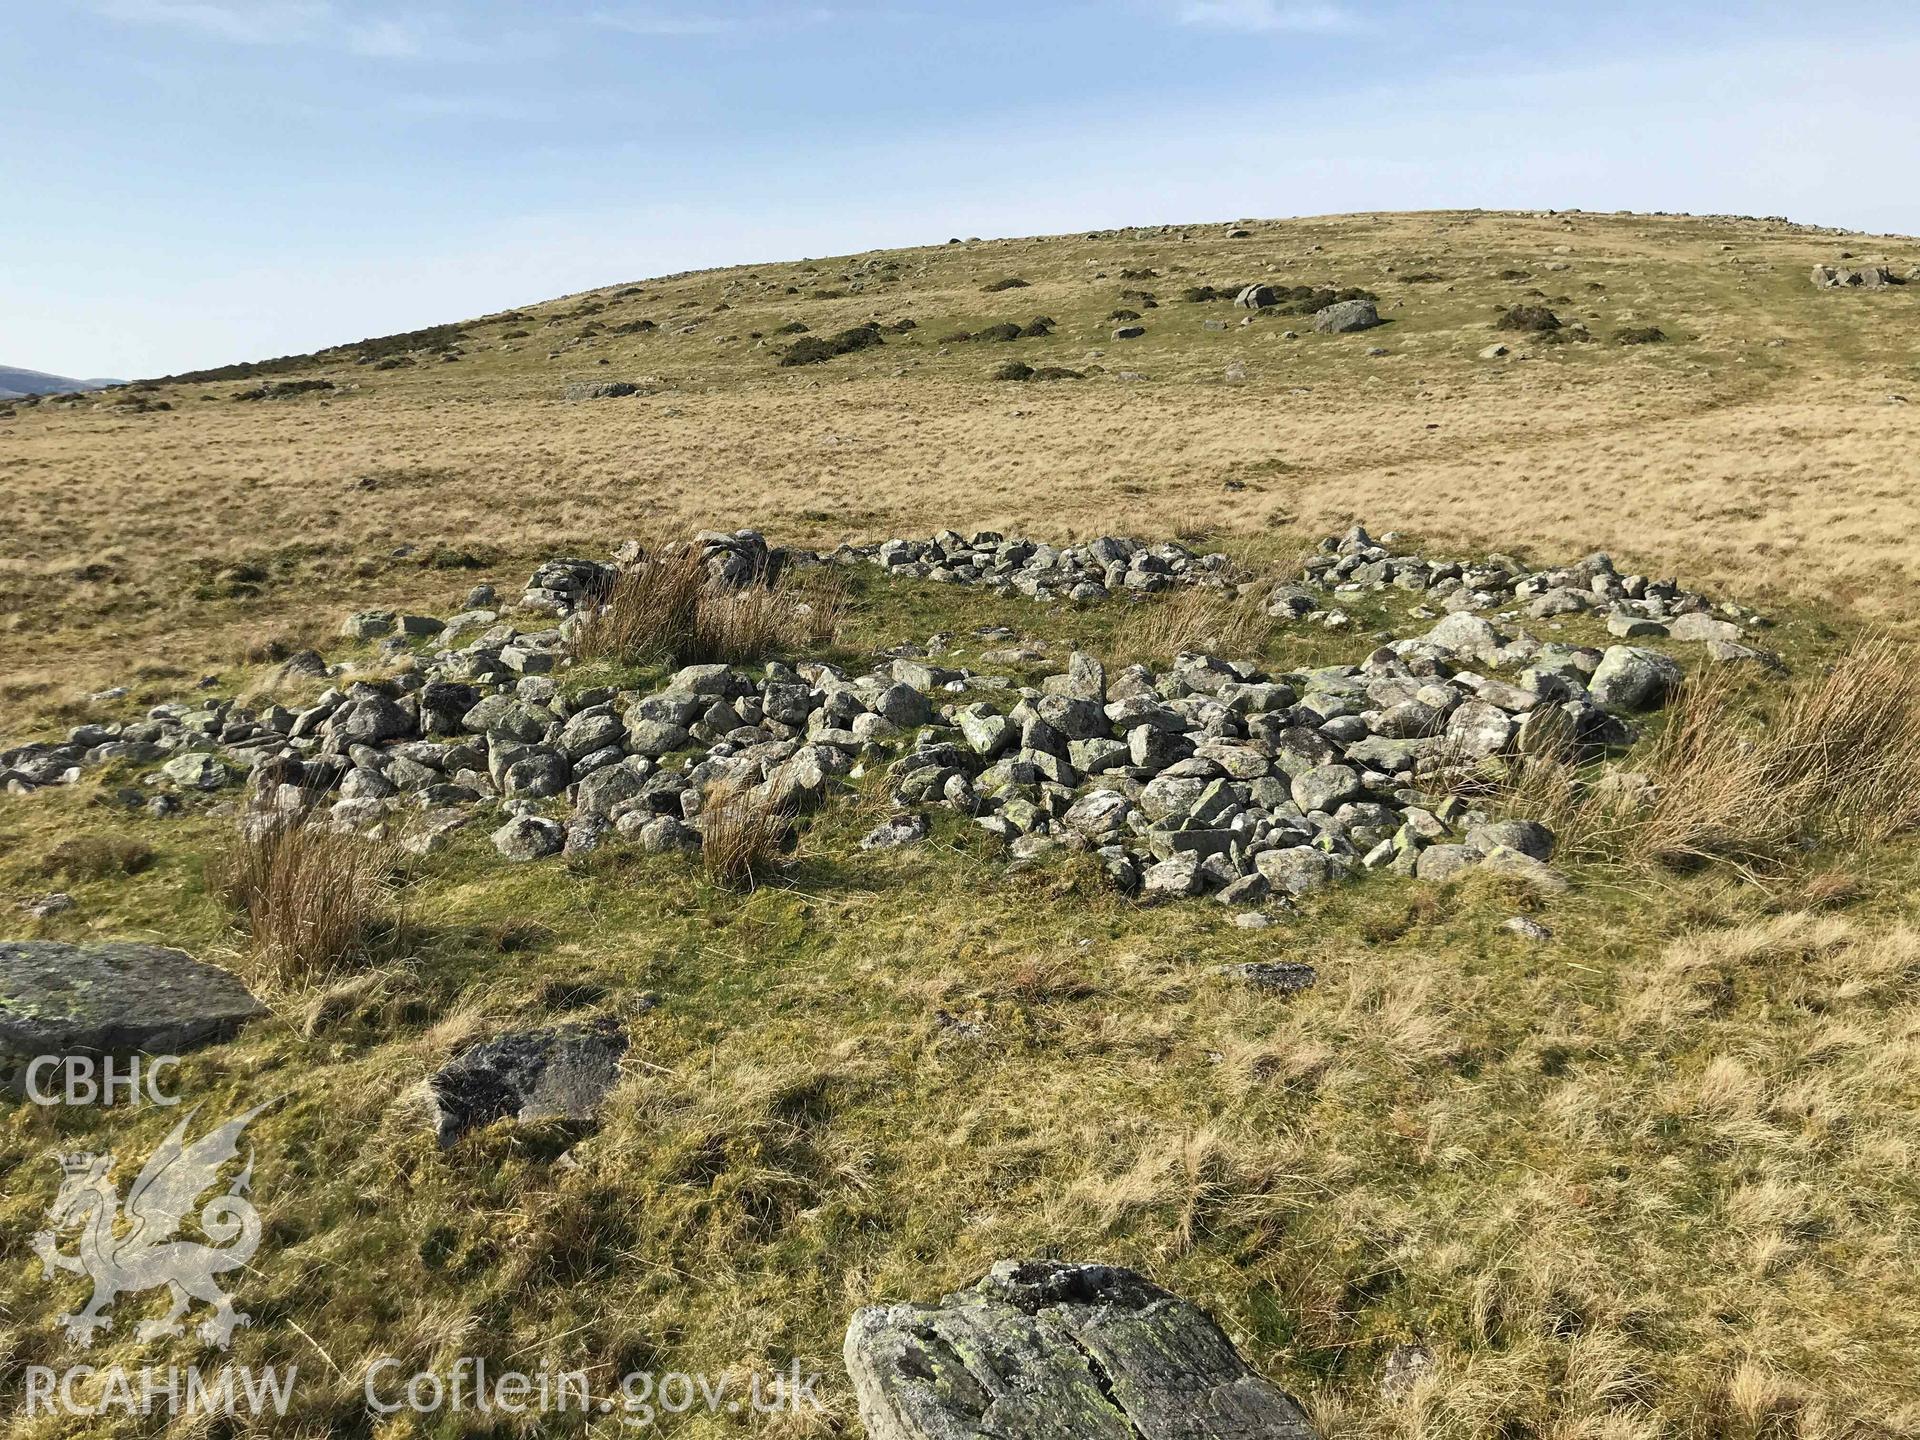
(468, 107)
(385, 39)
(687, 23)
(654, 22)
(264, 22)
(1266, 17)
(321, 23)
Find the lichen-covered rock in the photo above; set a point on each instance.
(1048, 1350)
(562, 1073)
(1523, 837)
(196, 771)
(1346, 316)
(1441, 863)
(1465, 634)
(1297, 869)
(113, 998)
(1632, 678)
(905, 829)
(367, 625)
(529, 837)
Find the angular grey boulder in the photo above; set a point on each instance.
(563, 1073)
(1465, 634)
(1050, 1350)
(196, 770)
(1523, 837)
(1441, 863)
(529, 837)
(1346, 316)
(1297, 869)
(1633, 678)
(113, 998)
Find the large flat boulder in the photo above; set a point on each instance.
(114, 998)
(1049, 1350)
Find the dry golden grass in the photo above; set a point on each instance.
(1216, 621)
(669, 609)
(95, 857)
(1755, 453)
(1652, 1176)
(1834, 763)
(312, 901)
(651, 612)
(744, 829)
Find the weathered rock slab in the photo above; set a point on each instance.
(112, 998)
(562, 1073)
(1049, 1350)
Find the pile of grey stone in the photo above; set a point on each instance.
(1862, 277)
(1212, 776)
(1012, 565)
(1634, 606)
(1088, 571)
(1216, 777)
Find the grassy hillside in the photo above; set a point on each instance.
(1650, 1172)
(1757, 445)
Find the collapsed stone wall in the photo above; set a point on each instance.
(1212, 776)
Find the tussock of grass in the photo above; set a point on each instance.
(312, 901)
(96, 857)
(1192, 618)
(743, 831)
(670, 610)
(1834, 764)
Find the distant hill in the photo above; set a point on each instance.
(15, 383)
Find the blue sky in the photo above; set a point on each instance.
(191, 182)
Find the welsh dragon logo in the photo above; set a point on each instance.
(142, 1253)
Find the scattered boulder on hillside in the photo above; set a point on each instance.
(1129, 332)
(562, 1073)
(601, 389)
(1866, 277)
(1050, 1350)
(1530, 319)
(1257, 297)
(1346, 316)
(113, 997)
(812, 349)
(284, 389)
(1640, 335)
